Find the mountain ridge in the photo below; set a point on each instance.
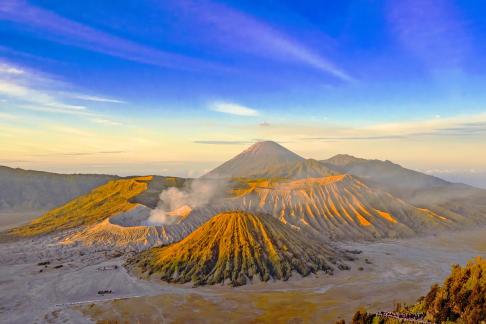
(454, 200)
(27, 190)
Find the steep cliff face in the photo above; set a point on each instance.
(236, 247)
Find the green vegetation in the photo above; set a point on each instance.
(460, 299)
(102, 202)
(237, 246)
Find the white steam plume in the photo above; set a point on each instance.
(200, 193)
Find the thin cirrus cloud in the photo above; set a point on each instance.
(458, 126)
(36, 100)
(237, 30)
(8, 69)
(26, 91)
(234, 109)
(92, 153)
(65, 31)
(96, 98)
(104, 121)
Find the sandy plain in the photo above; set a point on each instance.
(396, 271)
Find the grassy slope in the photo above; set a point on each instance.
(91, 208)
(234, 246)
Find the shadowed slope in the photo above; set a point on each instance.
(237, 246)
(27, 190)
(390, 176)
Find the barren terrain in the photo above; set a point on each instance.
(399, 270)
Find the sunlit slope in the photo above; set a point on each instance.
(116, 196)
(234, 247)
(462, 203)
(341, 207)
(91, 208)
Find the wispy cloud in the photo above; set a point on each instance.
(49, 25)
(72, 131)
(96, 98)
(37, 100)
(105, 121)
(219, 142)
(8, 69)
(233, 109)
(234, 29)
(81, 153)
(92, 153)
(5, 116)
(56, 109)
(34, 91)
(353, 138)
(456, 126)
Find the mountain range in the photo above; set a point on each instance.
(264, 221)
(27, 190)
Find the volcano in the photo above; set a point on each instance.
(236, 247)
(256, 160)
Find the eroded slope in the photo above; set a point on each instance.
(236, 247)
(340, 207)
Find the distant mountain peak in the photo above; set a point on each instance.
(343, 159)
(257, 159)
(270, 147)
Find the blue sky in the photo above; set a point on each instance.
(168, 81)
